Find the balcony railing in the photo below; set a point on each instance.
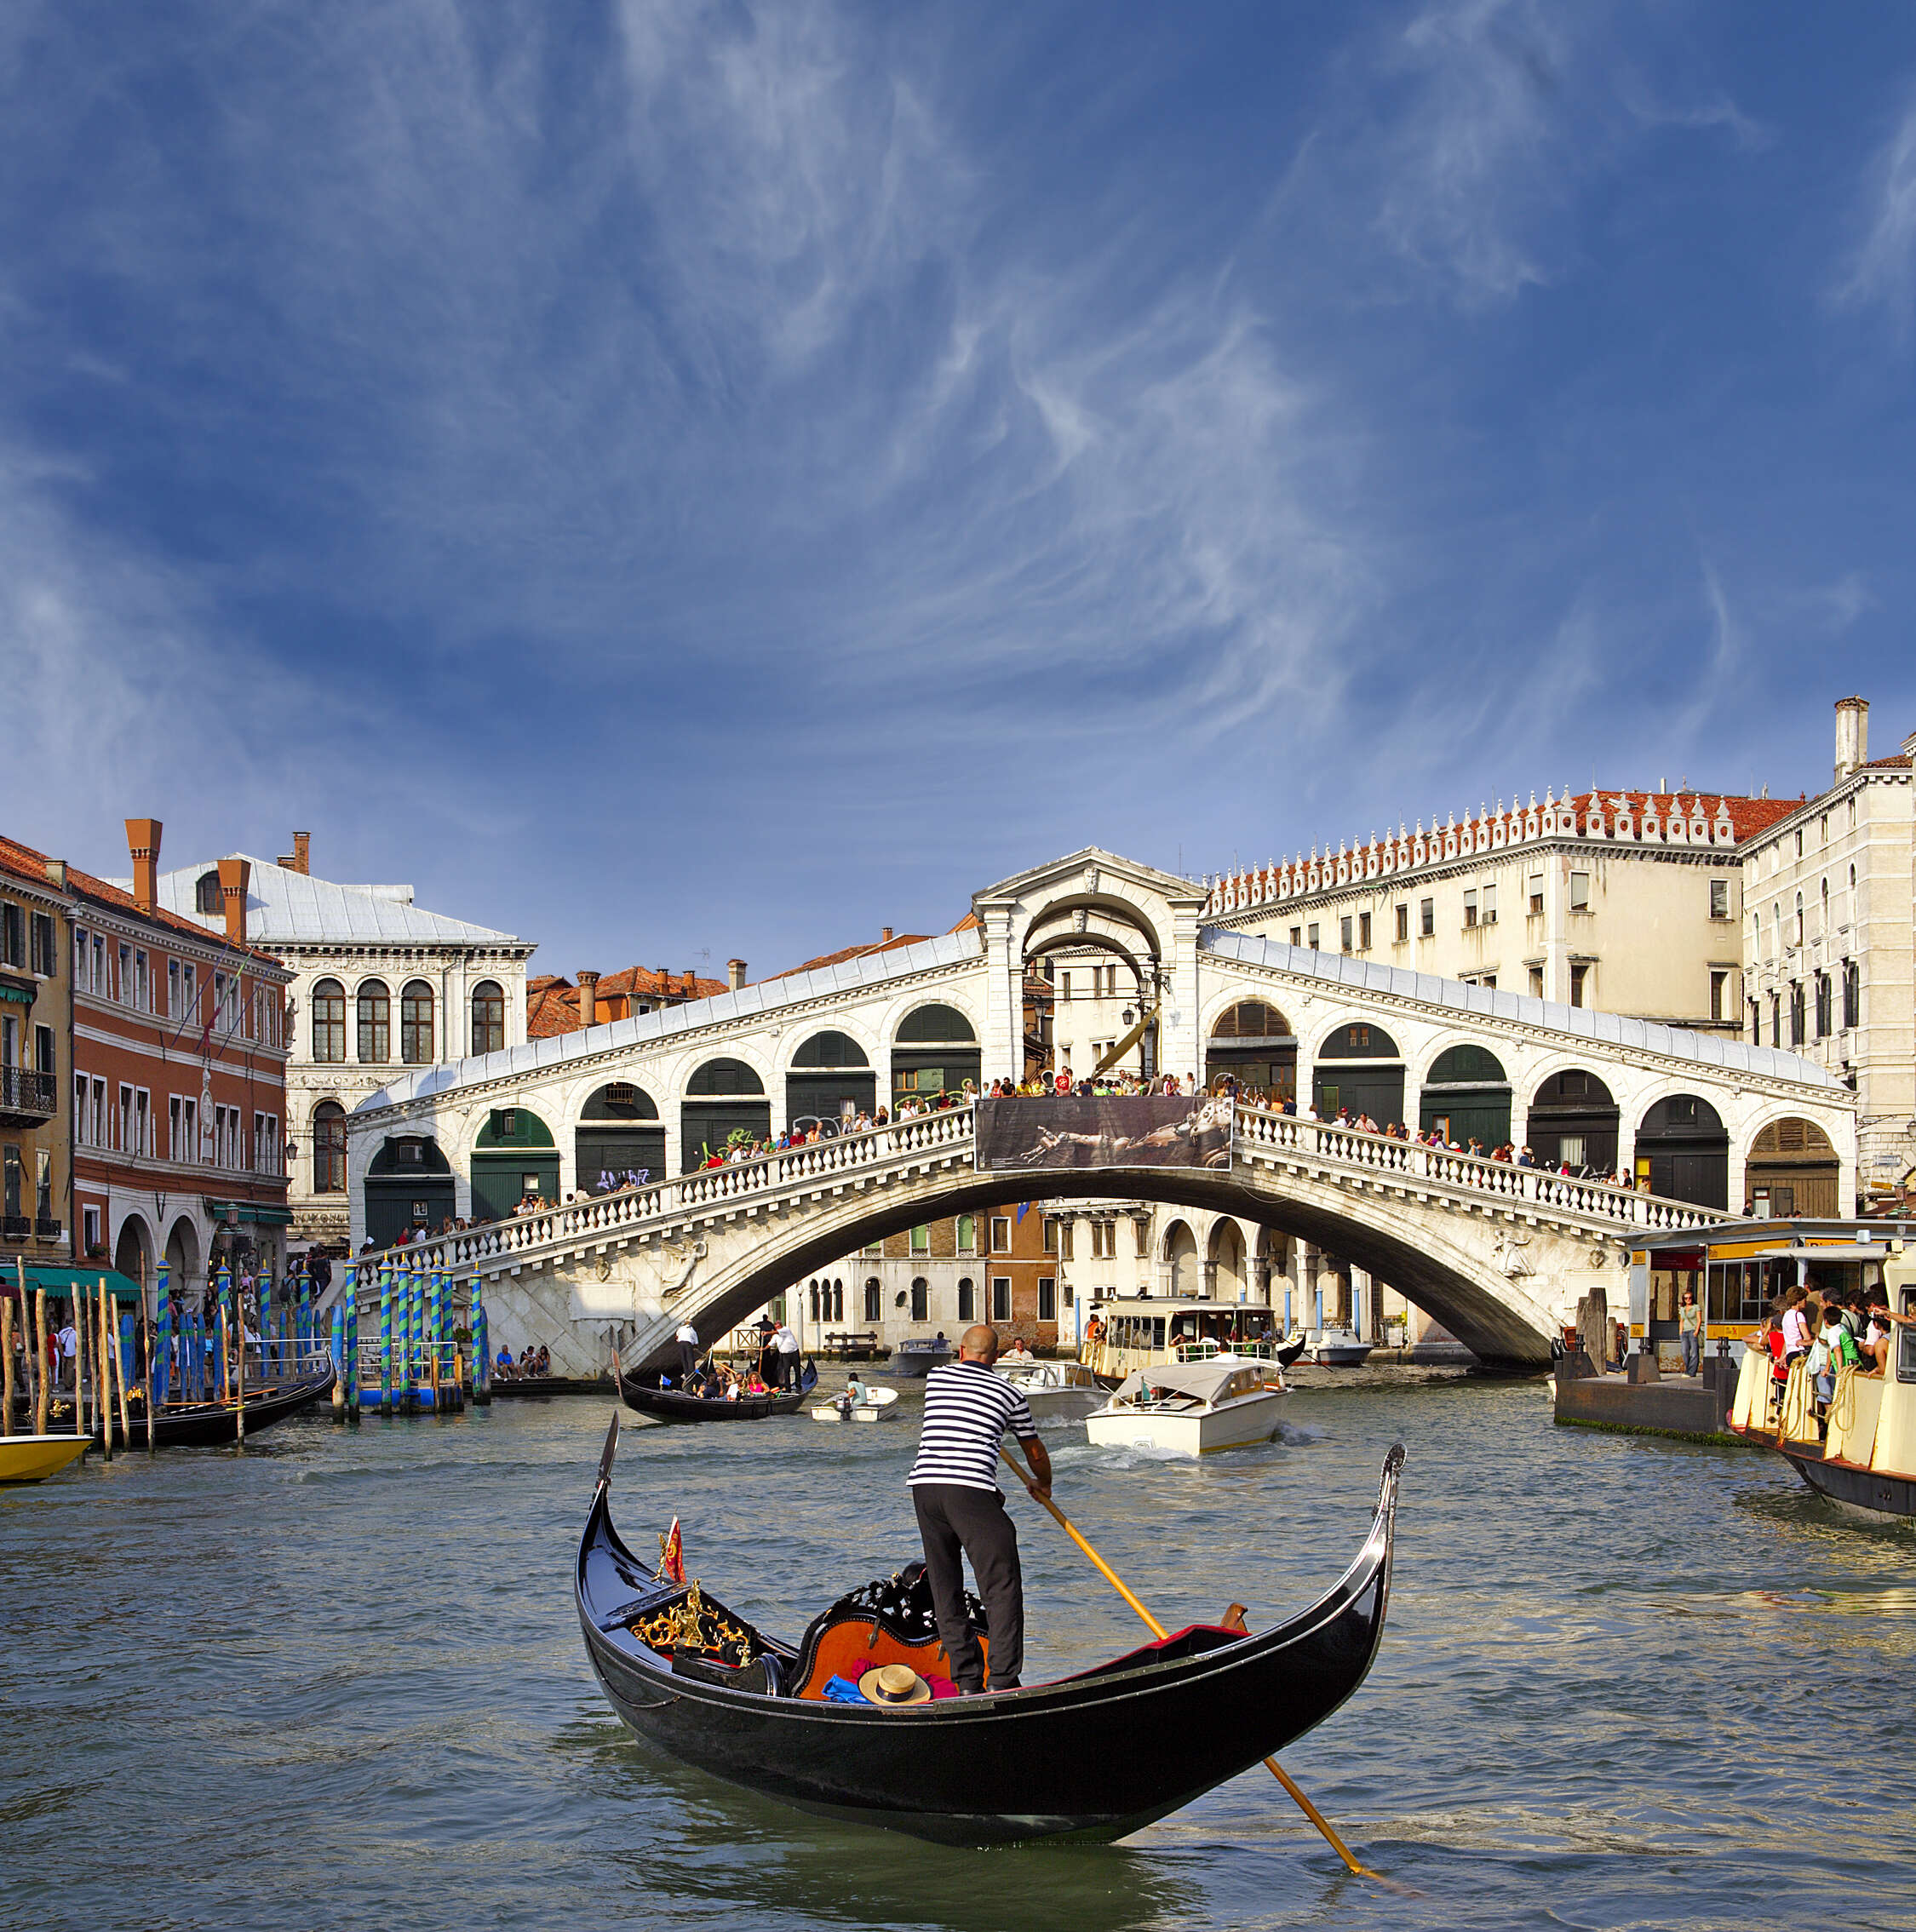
(26, 1097)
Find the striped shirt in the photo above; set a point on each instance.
(967, 1410)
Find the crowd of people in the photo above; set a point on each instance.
(1835, 1328)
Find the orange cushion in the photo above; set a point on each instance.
(846, 1643)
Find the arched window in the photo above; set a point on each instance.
(723, 1077)
(328, 1022)
(968, 1300)
(1799, 913)
(206, 893)
(1251, 1019)
(488, 1017)
(375, 1023)
(416, 1024)
(1825, 907)
(328, 1148)
(875, 1299)
(937, 1024)
(831, 1049)
(838, 1301)
(921, 1299)
(815, 1301)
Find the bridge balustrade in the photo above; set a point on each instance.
(764, 1176)
(1415, 1161)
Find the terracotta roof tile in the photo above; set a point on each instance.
(552, 1001)
(845, 953)
(24, 863)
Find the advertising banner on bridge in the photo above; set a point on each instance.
(1121, 1131)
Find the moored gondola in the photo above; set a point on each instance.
(643, 1393)
(201, 1425)
(1093, 1755)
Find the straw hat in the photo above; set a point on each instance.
(895, 1684)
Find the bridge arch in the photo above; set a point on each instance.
(1440, 1262)
(1791, 1167)
(1683, 1146)
(1358, 1064)
(1227, 1262)
(829, 1070)
(1573, 1116)
(723, 1097)
(618, 1132)
(513, 1155)
(409, 1185)
(934, 1050)
(1465, 1086)
(1108, 914)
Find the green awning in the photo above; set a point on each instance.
(260, 1214)
(65, 1281)
(12, 990)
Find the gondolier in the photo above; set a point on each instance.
(787, 1344)
(687, 1340)
(961, 1509)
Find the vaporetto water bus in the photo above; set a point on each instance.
(1152, 1330)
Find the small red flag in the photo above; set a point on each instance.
(671, 1554)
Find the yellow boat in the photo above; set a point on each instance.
(28, 1459)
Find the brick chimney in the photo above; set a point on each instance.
(589, 999)
(734, 973)
(142, 842)
(236, 874)
(885, 935)
(297, 860)
(1852, 735)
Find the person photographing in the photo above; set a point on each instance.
(961, 1511)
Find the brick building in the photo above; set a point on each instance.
(178, 1088)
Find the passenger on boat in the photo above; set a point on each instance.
(960, 1509)
(1834, 1348)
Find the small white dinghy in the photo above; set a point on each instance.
(872, 1405)
(1335, 1348)
(1192, 1407)
(1054, 1387)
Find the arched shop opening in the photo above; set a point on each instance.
(1254, 1042)
(619, 1138)
(1227, 1281)
(1180, 1253)
(723, 1099)
(1359, 1066)
(1466, 1096)
(409, 1185)
(831, 1080)
(934, 1051)
(133, 1252)
(182, 1257)
(514, 1156)
(1793, 1169)
(1682, 1151)
(1573, 1122)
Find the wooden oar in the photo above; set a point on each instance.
(1157, 1630)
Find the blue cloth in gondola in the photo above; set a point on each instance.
(838, 1690)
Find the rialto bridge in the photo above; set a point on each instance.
(1498, 1254)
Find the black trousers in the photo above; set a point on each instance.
(955, 1522)
(688, 1361)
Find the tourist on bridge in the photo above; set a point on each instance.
(960, 1509)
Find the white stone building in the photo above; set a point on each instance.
(1829, 953)
(380, 985)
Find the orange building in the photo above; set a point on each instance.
(179, 1080)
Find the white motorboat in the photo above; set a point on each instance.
(1335, 1348)
(872, 1405)
(1054, 1387)
(1192, 1407)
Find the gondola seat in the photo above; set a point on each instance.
(890, 1620)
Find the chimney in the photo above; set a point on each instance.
(734, 973)
(1852, 735)
(589, 999)
(885, 935)
(236, 874)
(142, 841)
(296, 860)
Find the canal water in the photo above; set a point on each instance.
(339, 1681)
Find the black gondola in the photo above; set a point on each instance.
(201, 1425)
(643, 1393)
(1093, 1757)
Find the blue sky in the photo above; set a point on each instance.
(678, 479)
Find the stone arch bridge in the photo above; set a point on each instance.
(1498, 1254)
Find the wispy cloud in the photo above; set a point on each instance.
(1881, 273)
